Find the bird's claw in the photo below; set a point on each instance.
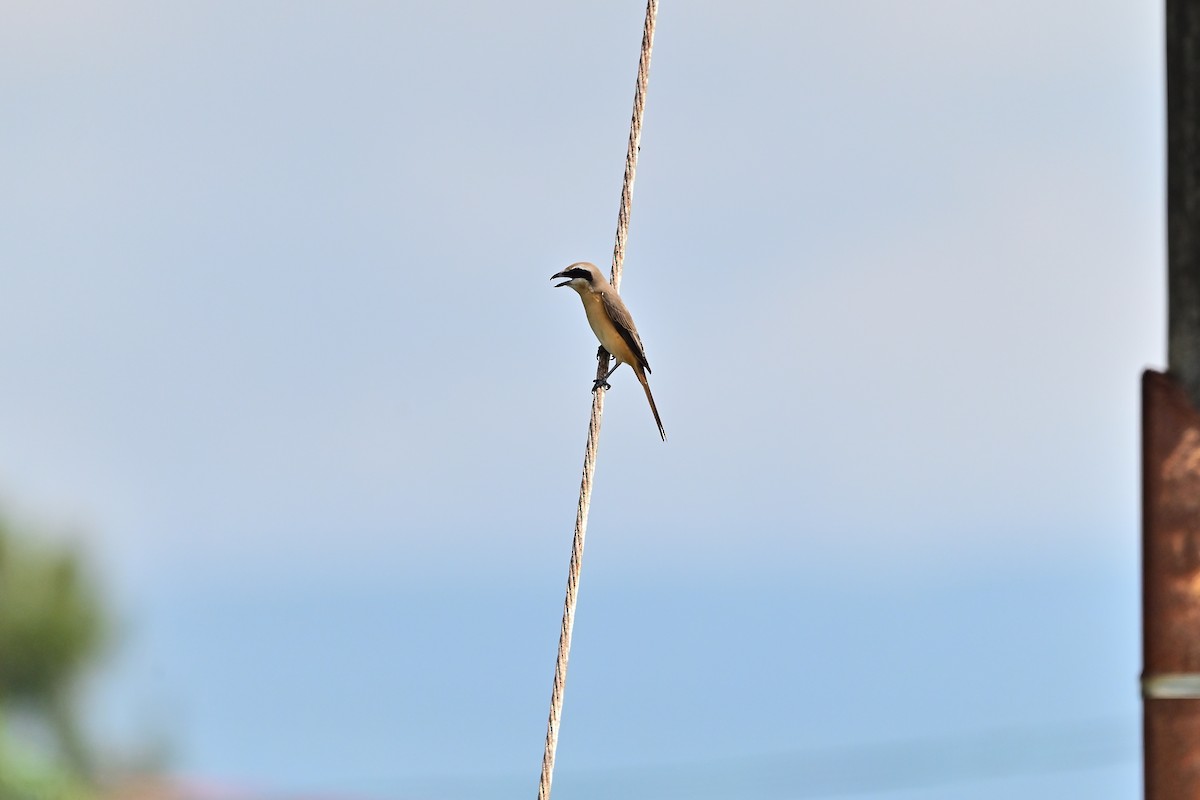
(600, 384)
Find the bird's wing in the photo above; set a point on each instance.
(622, 319)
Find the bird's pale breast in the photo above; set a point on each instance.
(604, 329)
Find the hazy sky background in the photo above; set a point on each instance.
(278, 344)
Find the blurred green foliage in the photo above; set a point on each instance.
(25, 778)
(52, 626)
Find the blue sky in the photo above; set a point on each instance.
(279, 346)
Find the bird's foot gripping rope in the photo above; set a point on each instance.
(599, 384)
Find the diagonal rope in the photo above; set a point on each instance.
(593, 438)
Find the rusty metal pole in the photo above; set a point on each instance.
(1171, 450)
(1170, 589)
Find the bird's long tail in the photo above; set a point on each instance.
(641, 376)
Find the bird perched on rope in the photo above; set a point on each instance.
(612, 324)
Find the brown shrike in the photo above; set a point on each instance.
(612, 324)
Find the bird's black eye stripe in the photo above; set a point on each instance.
(579, 273)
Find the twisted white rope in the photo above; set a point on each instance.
(593, 439)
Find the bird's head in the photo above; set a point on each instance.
(580, 276)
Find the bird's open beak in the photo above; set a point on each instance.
(562, 274)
